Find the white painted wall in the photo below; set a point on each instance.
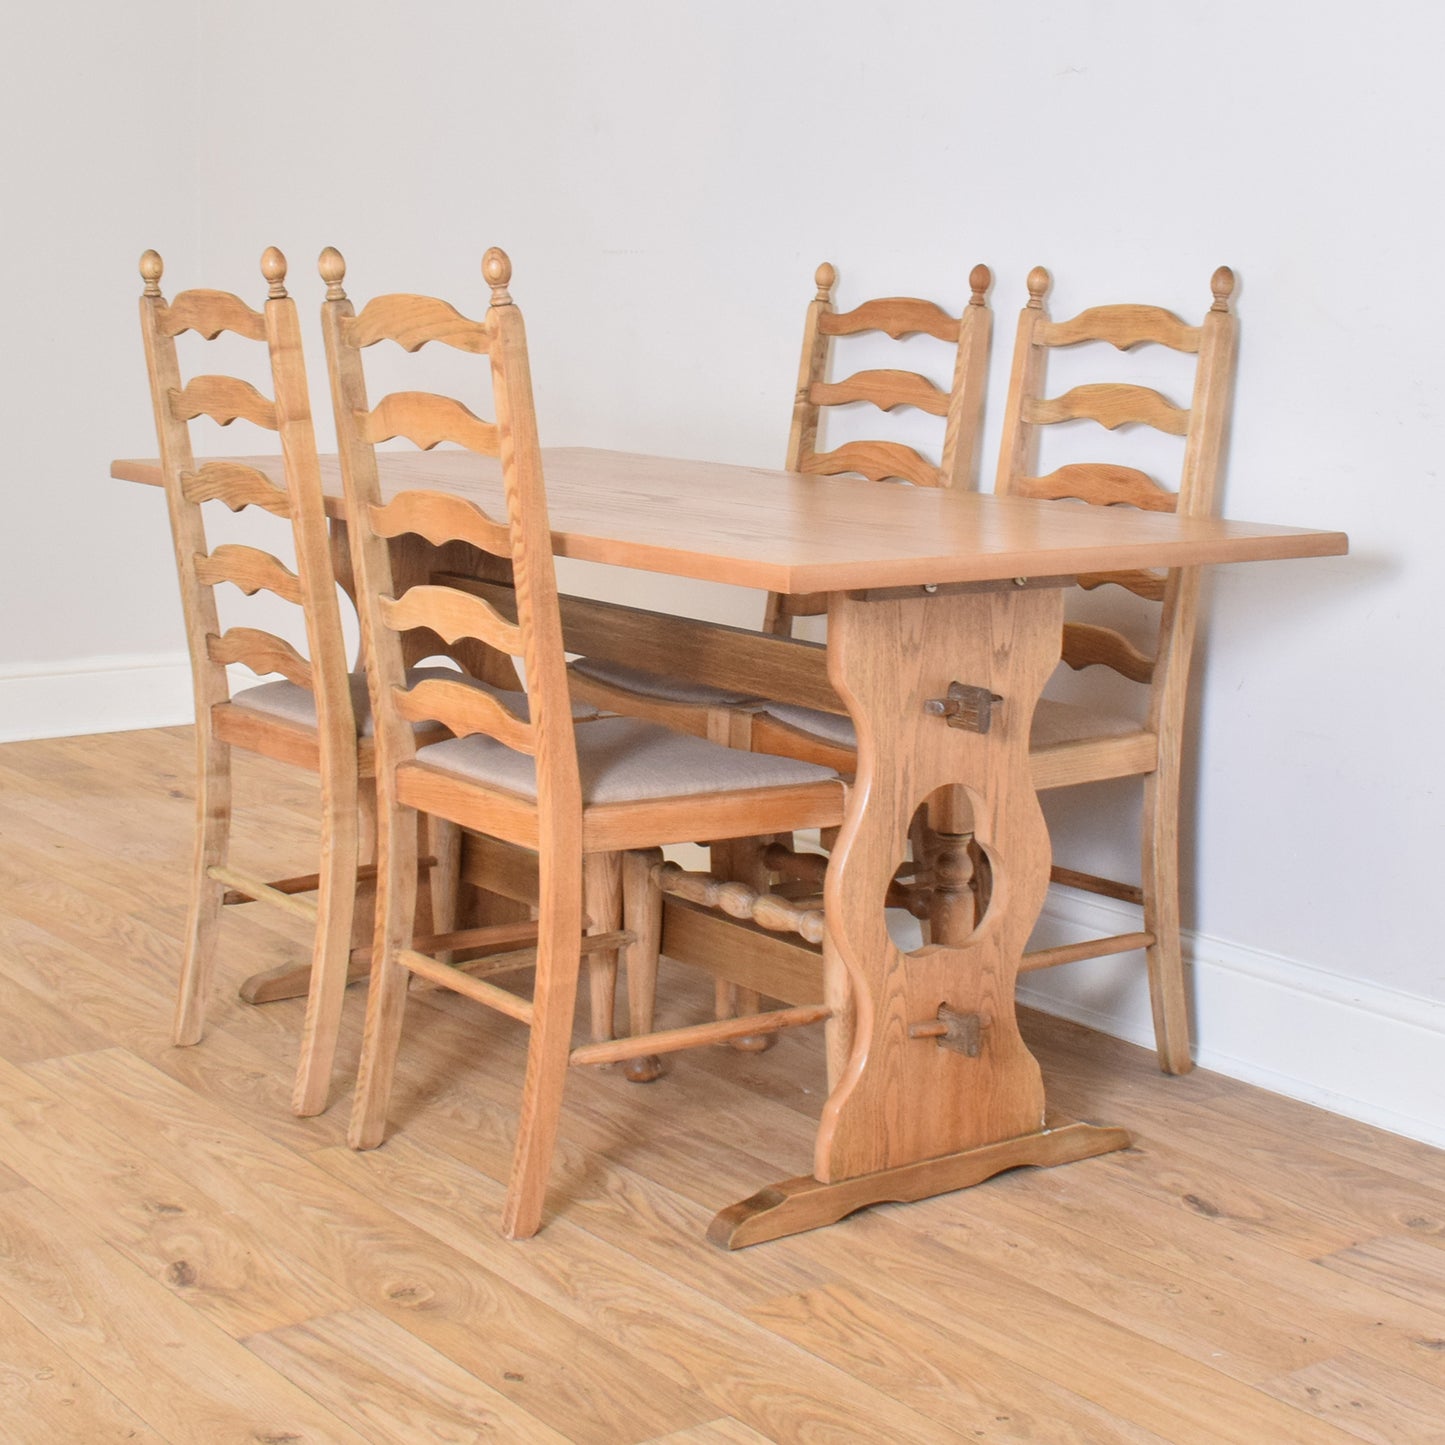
(666, 176)
(96, 157)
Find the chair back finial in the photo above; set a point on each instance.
(273, 268)
(979, 280)
(332, 267)
(497, 272)
(1222, 285)
(151, 267)
(1038, 283)
(827, 277)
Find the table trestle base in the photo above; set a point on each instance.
(797, 1205)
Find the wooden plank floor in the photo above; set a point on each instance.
(181, 1260)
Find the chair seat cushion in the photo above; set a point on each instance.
(298, 704)
(624, 760)
(658, 685)
(1054, 723)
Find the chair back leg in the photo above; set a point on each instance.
(203, 920)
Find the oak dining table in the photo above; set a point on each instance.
(928, 590)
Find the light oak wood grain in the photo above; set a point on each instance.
(388, 1385)
(48, 1397)
(329, 746)
(578, 845)
(779, 531)
(1085, 1298)
(180, 1374)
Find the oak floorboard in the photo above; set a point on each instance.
(185, 1377)
(1385, 1407)
(231, 1267)
(1199, 1253)
(1253, 1270)
(391, 1387)
(1189, 1114)
(705, 1347)
(1412, 1269)
(46, 1398)
(31, 1027)
(1243, 1339)
(572, 1377)
(1147, 1384)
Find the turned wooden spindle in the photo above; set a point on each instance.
(497, 272)
(151, 267)
(979, 280)
(332, 267)
(273, 268)
(1038, 283)
(1222, 285)
(952, 912)
(808, 868)
(778, 915)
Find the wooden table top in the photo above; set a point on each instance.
(785, 532)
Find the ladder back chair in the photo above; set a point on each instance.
(1074, 744)
(592, 800)
(308, 718)
(726, 715)
(1071, 743)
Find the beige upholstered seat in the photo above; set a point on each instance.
(625, 760)
(1054, 722)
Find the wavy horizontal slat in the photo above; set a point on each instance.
(262, 652)
(451, 614)
(412, 321)
(440, 518)
(1111, 404)
(1141, 582)
(465, 710)
(878, 461)
(237, 486)
(250, 569)
(426, 419)
(209, 313)
(885, 389)
(1102, 484)
(1086, 645)
(897, 316)
(1123, 327)
(223, 399)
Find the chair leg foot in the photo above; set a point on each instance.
(643, 1070)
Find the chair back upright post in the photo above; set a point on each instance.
(961, 406)
(201, 570)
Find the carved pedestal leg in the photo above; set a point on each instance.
(938, 1090)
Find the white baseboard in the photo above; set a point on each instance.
(95, 695)
(1352, 1047)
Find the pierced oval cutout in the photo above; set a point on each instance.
(945, 888)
